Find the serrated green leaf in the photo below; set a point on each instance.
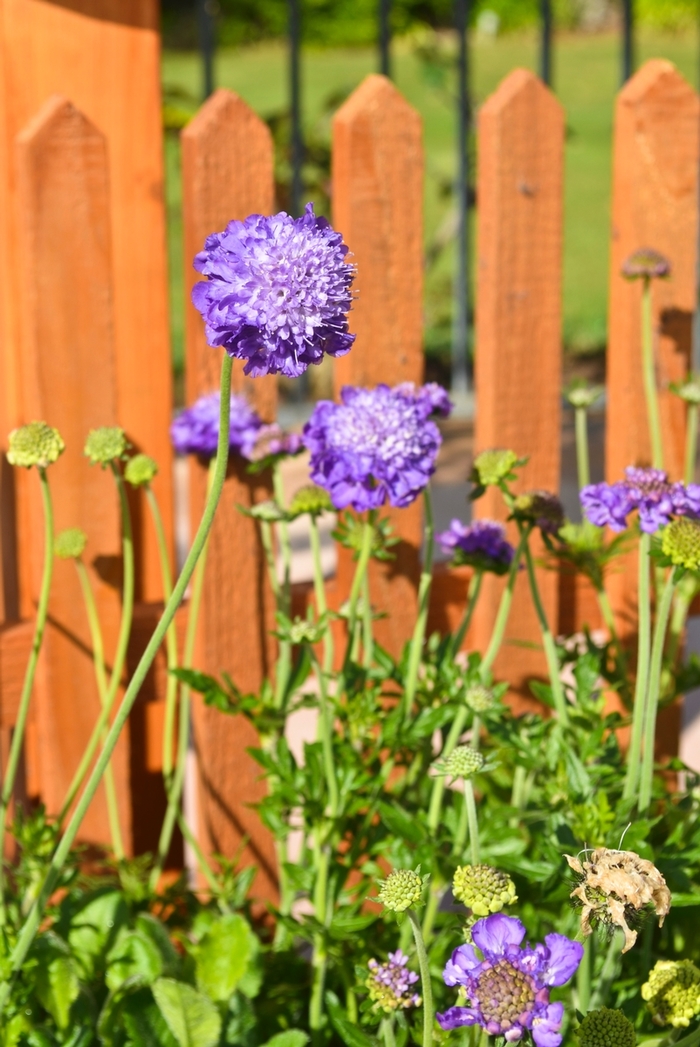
(134, 953)
(56, 978)
(192, 1017)
(222, 956)
(95, 926)
(288, 1038)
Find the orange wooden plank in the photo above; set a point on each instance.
(105, 56)
(69, 380)
(518, 324)
(15, 645)
(378, 207)
(227, 163)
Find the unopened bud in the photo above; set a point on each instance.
(672, 993)
(606, 1027)
(312, 500)
(70, 544)
(463, 762)
(105, 445)
(140, 470)
(483, 889)
(680, 541)
(401, 890)
(646, 264)
(35, 444)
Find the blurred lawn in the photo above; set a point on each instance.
(585, 74)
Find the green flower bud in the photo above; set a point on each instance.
(541, 508)
(479, 698)
(35, 444)
(582, 537)
(490, 467)
(312, 500)
(267, 511)
(105, 445)
(672, 993)
(689, 390)
(463, 762)
(606, 1027)
(483, 889)
(70, 544)
(646, 264)
(402, 889)
(301, 630)
(580, 394)
(140, 470)
(680, 541)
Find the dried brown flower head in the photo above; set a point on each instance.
(614, 886)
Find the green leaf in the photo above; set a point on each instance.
(94, 927)
(222, 956)
(350, 1034)
(57, 984)
(192, 1017)
(288, 1038)
(684, 901)
(401, 823)
(133, 953)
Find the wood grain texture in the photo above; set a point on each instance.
(69, 380)
(377, 175)
(104, 55)
(227, 162)
(518, 325)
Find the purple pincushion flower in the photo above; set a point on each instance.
(196, 429)
(644, 489)
(481, 544)
(508, 990)
(278, 292)
(606, 505)
(432, 393)
(376, 445)
(390, 984)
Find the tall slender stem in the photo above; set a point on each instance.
(583, 466)
(652, 703)
(30, 672)
(203, 863)
(472, 820)
(691, 443)
(356, 587)
(386, 1031)
(620, 654)
(33, 920)
(426, 985)
(550, 650)
(608, 971)
(584, 976)
(284, 592)
(424, 585)
(640, 690)
(472, 597)
(325, 723)
(649, 375)
(499, 626)
(320, 592)
(367, 630)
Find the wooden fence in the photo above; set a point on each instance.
(84, 342)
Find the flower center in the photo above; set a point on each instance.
(505, 995)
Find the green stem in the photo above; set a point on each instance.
(367, 633)
(472, 597)
(640, 690)
(652, 704)
(101, 678)
(266, 538)
(691, 443)
(23, 710)
(31, 924)
(582, 458)
(584, 976)
(360, 572)
(284, 592)
(386, 1031)
(649, 375)
(320, 956)
(499, 626)
(438, 791)
(426, 578)
(120, 654)
(325, 724)
(472, 819)
(550, 649)
(608, 971)
(425, 979)
(203, 863)
(620, 655)
(320, 592)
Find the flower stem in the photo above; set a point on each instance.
(203, 863)
(284, 592)
(652, 703)
(550, 650)
(472, 819)
(360, 572)
(472, 597)
(499, 626)
(620, 655)
(583, 467)
(648, 373)
(325, 725)
(386, 1031)
(424, 585)
(608, 971)
(33, 920)
(691, 443)
(584, 974)
(425, 979)
(320, 592)
(30, 672)
(367, 632)
(640, 690)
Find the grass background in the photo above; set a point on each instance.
(586, 77)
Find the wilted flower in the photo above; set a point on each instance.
(431, 393)
(606, 1027)
(481, 544)
(680, 541)
(648, 491)
(376, 445)
(106, 444)
(401, 890)
(646, 264)
(70, 544)
(672, 993)
(508, 991)
(390, 984)
(35, 444)
(541, 508)
(483, 889)
(310, 499)
(278, 292)
(615, 886)
(196, 429)
(140, 470)
(493, 466)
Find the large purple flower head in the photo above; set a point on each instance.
(196, 429)
(646, 490)
(278, 292)
(508, 990)
(483, 544)
(376, 445)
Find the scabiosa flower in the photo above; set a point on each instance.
(646, 264)
(272, 441)
(672, 993)
(35, 444)
(70, 544)
(278, 292)
(376, 445)
(646, 490)
(106, 444)
(402, 889)
(680, 541)
(390, 984)
(196, 429)
(508, 991)
(431, 393)
(483, 889)
(481, 544)
(541, 508)
(606, 1027)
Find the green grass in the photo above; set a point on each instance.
(586, 76)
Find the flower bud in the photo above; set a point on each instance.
(479, 698)
(606, 1027)
(70, 544)
(463, 762)
(672, 993)
(580, 394)
(483, 889)
(646, 264)
(680, 541)
(312, 500)
(401, 890)
(490, 467)
(140, 470)
(541, 508)
(689, 390)
(106, 444)
(35, 444)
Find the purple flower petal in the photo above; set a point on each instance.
(563, 960)
(455, 1017)
(547, 1025)
(495, 933)
(461, 963)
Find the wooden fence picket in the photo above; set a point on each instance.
(227, 161)
(518, 325)
(377, 176)
(69, 379)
